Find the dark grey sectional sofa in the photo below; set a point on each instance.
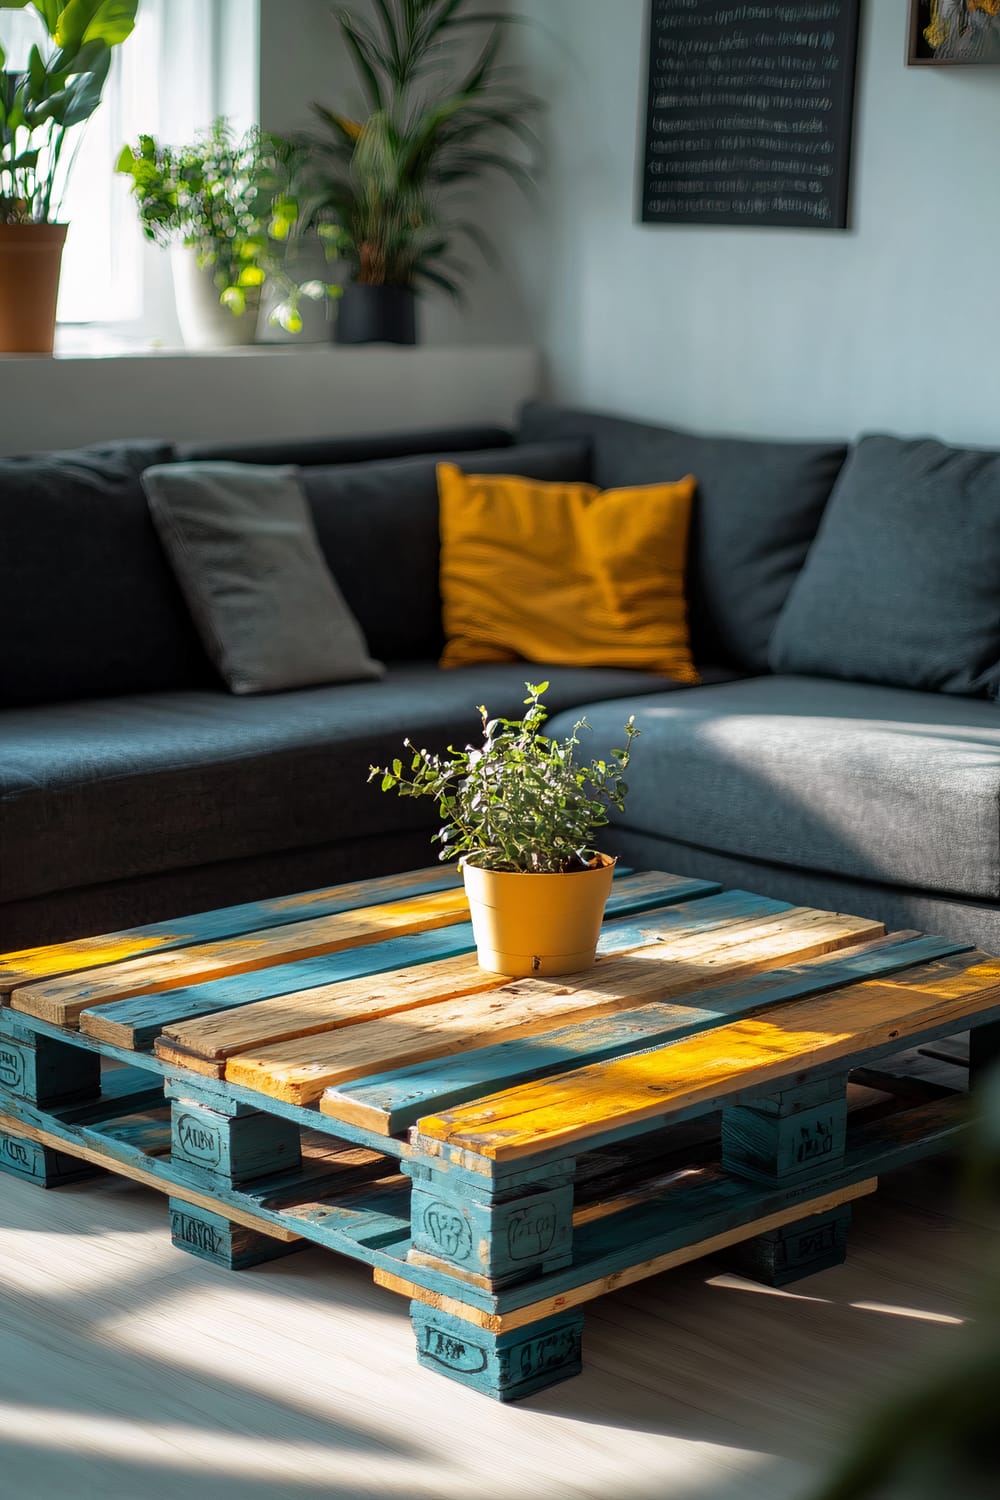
(133, 787)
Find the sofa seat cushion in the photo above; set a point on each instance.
(879, 784)
(111, 788)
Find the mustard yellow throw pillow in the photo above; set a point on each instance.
(564, 574)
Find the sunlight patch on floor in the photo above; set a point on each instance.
(171, 1445)
(920, 1314)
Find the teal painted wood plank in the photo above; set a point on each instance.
(394, 1101)
(143, 1017)
(233, 921)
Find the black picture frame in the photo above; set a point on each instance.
(750, 182)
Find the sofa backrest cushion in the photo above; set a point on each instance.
(902, 586)
(363, 448)
(378, 527)
(756, 512)
(90, 606)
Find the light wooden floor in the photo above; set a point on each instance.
(130, 1371)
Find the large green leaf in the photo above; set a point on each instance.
(109, 21)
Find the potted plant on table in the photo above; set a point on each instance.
(42, 104)
(520, 811)
(218, 204)
(379, 187)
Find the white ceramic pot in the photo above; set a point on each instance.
(205, 323)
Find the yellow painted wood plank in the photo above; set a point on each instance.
(11, 1126)
(62, 1000)
(573, 1106)
(544, 1308)
(300, 1070)
(28, 965)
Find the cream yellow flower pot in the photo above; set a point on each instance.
(537, 924)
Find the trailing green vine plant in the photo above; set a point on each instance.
(521, 801)
(224, 196)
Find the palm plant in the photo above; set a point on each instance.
(377, 187)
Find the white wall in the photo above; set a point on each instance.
(893, 325)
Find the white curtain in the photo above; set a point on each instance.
(186, 62)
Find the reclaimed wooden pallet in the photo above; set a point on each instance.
(336, 1069)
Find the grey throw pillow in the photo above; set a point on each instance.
(902, 585)
(241, 541)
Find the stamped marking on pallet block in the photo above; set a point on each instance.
(504, 1366)
(200, 1142)
(486, 1239)
(214, 1238)
(11, 1067)
(30, 964)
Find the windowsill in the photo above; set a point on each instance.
(73, 342)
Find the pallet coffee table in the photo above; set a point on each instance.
(335, 1068)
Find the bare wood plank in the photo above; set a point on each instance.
(299, 1071)
(136, 1023)
(390, 1103)
(320, 1008)
(31, 964)
(62, 1000)
(576, 1296)
(707, 1068)
(97, 1158)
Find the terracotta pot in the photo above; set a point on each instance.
(30, 260)
(537, 924)
(205, 323)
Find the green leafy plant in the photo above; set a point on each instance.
(379, 188)
(218, 196)
(521, 801)
(59, 91)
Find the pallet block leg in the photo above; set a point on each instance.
(505, 1366)
(225, 1148)
(44, 1071)
(214, 1238)
(794, 1251)
(493, 1233)
(792, 1135)
(40, 1164)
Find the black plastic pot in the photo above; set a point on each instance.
(376, 315)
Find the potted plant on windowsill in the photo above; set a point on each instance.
(213, 203)
(380, 187)
(41, 105)
(520, 812)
